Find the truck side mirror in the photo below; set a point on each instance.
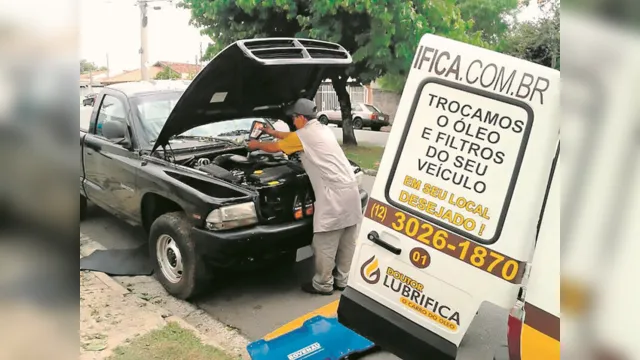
(116, 131)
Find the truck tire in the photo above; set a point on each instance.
(83, 207)
(175, 264)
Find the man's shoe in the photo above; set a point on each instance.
(309, 288)
(339, 288)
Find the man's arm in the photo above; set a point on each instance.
(289, 145)
(270, 147)
(276, 134)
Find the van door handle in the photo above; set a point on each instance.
(373, 236)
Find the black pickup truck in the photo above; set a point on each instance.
(172, 157)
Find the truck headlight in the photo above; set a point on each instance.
(232, 216)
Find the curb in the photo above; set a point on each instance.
(92, 245)
(370, 172)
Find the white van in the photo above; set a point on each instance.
(453, 215)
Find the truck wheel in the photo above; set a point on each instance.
(83, 207)
(172, 252)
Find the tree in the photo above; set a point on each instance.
(487, 18)
(167, 73)
(86, 66)
(537, 41)
(381, 35)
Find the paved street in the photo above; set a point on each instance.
(259, 302)
(365, 137)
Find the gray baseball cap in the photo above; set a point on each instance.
(304, 107)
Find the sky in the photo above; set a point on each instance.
(112, 27)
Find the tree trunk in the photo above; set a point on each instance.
(339, 83)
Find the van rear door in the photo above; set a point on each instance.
(453, 213)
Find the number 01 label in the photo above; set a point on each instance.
(419, 257)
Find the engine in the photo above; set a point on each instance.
(285, 193)
(259, 168)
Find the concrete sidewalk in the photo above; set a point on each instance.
(111, 316)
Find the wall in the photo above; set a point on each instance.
(386, 101)
(326, 98)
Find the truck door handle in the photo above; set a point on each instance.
(373, 236)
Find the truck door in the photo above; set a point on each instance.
(453, 213)
(110, 171)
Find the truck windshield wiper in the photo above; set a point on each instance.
(235, 133)
(210, 138)
(203, 138)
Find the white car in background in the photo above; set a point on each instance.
(363, 115)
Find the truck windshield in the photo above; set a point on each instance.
(153, 111)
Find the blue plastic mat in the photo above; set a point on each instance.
(319, 338)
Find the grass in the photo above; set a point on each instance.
(172, 342)
(368, 157)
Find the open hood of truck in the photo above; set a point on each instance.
(254, 78)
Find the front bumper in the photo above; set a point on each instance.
(231, 248)
(379, 122)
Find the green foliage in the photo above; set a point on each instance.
(167, 74)
(488, 16)
(86, 66)
(381, 35)
(536, 41)
(487, 22)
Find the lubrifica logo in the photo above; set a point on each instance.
(412, 296)
(304, 352)
(370, 271)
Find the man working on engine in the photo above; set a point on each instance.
(338, 211)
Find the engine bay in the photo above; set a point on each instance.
(257, 168)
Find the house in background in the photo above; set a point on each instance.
(94, 78)
(183, 70)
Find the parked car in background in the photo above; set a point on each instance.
(89, 99)
(363, 115)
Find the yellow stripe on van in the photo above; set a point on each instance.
(536, 345)
(329, 310)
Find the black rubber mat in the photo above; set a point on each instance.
(119, 262)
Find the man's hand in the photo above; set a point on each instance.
(268, 131)
(253, 145)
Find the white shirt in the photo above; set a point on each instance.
(281, 126)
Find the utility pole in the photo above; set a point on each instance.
(143, 40)
(144, 47)
(90, 80)
(200, 67)
(108, 70)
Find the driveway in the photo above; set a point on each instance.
(259, 302)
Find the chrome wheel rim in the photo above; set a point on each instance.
(169, 258)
